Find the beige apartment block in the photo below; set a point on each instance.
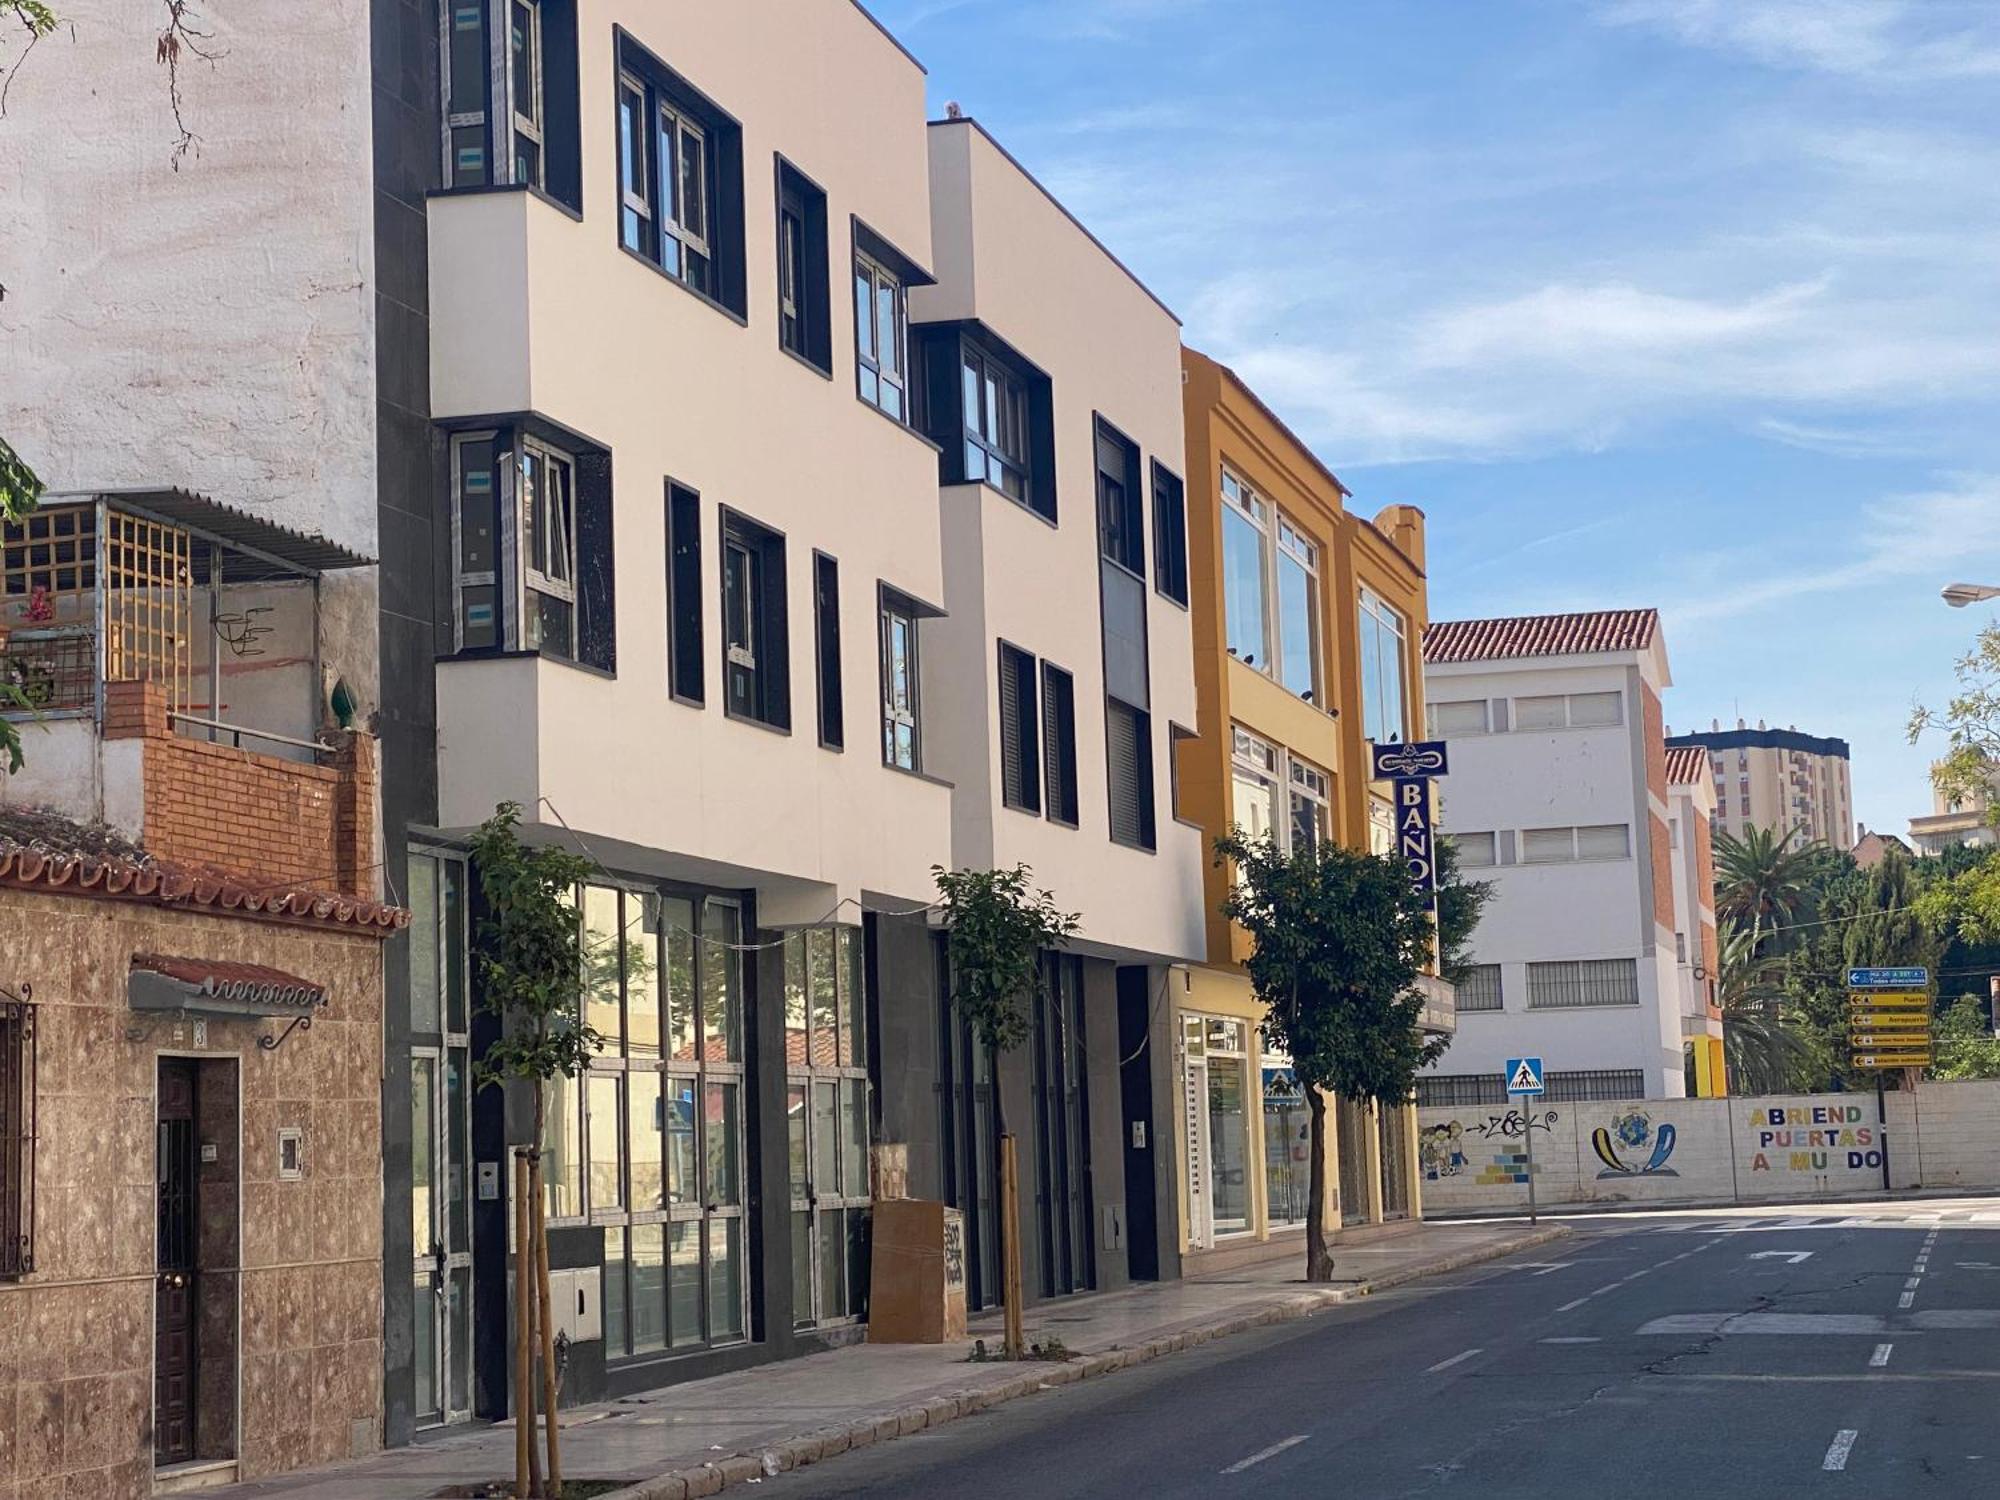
(1959, 818)
(1778, 778)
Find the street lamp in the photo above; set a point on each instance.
(1958, 595)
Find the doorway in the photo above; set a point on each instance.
(177, 1164)
(1063, 1198)
(441, 1231)
(970, 1143)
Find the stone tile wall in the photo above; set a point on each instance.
(76, 1333)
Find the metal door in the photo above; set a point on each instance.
(177, 1177)
(441, 1232)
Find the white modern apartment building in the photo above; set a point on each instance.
(1780, 779)
(1559, 795)
(1697, 951)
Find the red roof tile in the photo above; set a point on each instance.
(1540, 635)
(85, 872)
(221, 971)
(1687, 765)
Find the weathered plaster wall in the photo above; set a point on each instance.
(211, 326)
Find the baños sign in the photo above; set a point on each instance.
(1409, 770)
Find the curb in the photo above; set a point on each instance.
(827, 1442)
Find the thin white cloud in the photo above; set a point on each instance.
(1913, 539)
(1876, 40)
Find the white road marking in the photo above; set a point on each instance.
(1456, 1359)
(1956, 1318)
(1913, 1283)
(1271, 1452)
(1573, 1306)
(1908, 1299)
(1837, 1451)
(1791, 1257)
(1880, 1357)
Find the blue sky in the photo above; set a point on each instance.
(1687, 303)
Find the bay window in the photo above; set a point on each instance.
(1384, 670)
(1276, 795)
(1271, 590)
(996, 423)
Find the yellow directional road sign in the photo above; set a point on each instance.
(1888, 999)
(1887, 1041)
(1890, 1020)
(1891, 1059)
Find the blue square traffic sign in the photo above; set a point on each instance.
(1524, 1077)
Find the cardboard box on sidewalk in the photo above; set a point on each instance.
(917, 1287)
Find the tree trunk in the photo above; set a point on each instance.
(1319, 1257)
(528, 1265)
(548, 1332)
(1011, 1294)
(525, 1479)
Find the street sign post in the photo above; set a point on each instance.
(1524, 1081)
(1889, 1017)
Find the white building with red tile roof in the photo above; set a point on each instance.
(1560, 794)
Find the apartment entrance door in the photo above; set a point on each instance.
(442, 1234)
(177, 1180)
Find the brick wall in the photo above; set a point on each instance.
(1662, 855)
(256, 816)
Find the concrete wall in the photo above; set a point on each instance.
(208, 322)
(1789, 1148)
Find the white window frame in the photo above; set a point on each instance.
(1282, 776)
(669, 118)
(1439, 732)
(1383, 613)
(1306, 782)
(880, 276)
(535, 517)
(904, 710)
(637, 197)
(1279, 536)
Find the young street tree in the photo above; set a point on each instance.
(1340, 938)
(531, 962)
(997, 928)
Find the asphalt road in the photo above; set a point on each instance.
(1850, 1351)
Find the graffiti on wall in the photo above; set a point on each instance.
(1813, 1138)
(1633, 1132)
(1442, 1148)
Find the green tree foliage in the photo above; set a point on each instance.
(1970, 722)
(1764, 881)
(1965, 1044)
(531, 957)
(1460, 904)
(1339, 938)
(997, 928)
(1765, 1047)
(20, 492)
(1887, 929)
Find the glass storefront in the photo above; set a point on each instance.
(1287, 1144)
(1229, 1126)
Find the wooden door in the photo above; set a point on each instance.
(174, 1353)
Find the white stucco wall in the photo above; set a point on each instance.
(1009, 256)
(210, 327)
(1592, 909)
(533, 310)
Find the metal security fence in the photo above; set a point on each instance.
(1571, 984)
(1479, 1090)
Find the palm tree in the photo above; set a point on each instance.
(1763, 1047)
(1765, 880)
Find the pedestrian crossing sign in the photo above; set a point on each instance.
(1524, 1077)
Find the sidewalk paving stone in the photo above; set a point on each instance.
(706, 1436)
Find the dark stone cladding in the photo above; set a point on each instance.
(403, 37)
(1760, 739)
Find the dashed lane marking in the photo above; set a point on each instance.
(1456, 1359)
(1880, 1357)
(1838, 1449)
(1271, 1452)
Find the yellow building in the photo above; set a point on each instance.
(1308, 629)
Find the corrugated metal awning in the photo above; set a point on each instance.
(229, 525)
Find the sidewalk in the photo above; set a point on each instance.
(698, 1438)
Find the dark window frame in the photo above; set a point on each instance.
(1121, 516)
(806, 333)
(761, 675)
(893, 605)
(1144, 793)
(1021, 770)
(1170, 535)
(708, 263)
(687, 661)
(870, 251)
(1061, 798)
(940, 352)
(18, 1081)
(826, 651)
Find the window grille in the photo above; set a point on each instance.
(17, 1135)
(1571, 984)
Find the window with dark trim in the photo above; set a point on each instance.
(804, 324)
(756, 672)
(1059, 744)
(687, 666)
(902, 688)
(530, 91)
(1020, 731)
(680, 178)
(17, 1137)
(1121, 506)
(1177, 735)
(826, 643)
(1128, 739)
(883, 276)
(531, 539)
(1170, 560)
(991, 413)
